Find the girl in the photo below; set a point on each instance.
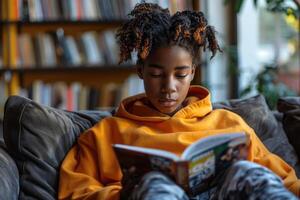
(170, 116)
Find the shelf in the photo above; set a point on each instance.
(69, 26)
(94, 68)
(62, 22)
(2, 71)
(92, 75)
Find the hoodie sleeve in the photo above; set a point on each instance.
(261, 155)
(84, 174)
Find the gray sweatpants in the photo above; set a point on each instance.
(244, 180)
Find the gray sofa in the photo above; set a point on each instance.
(37, 138)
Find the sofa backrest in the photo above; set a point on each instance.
(38, 138)
(9, 181)
(267, 125)
(290, 107)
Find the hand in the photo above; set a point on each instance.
(129, 181)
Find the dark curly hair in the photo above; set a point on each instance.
(151, 27)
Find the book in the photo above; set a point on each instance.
(26, 51)
(199, 167)
(93, 53)
(71, 49)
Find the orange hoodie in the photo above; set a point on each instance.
(91, 170)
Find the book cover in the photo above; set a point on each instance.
(199, 167)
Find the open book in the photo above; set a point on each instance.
(196, 170)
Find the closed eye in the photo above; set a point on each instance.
(155, 75)
(181, 75)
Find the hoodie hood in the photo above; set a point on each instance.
(138, 107)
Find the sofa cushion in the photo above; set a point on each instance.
(1, 131)
(38, 137)
(290, 107)
(9, 181)
(258, 116)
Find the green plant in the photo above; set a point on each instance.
(266, 82)
(283, 6)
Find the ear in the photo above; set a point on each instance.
(139, 70)
(193, 72)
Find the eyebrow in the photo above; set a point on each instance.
(161, 67)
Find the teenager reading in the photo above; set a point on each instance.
(170, 116)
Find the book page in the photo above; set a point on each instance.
(210, 157)
(204, 144)
(150, 151)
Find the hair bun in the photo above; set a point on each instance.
(150, 27)
(145, 8)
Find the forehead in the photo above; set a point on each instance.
(170, 56)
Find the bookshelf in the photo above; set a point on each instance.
(34, 48)
(70, 27)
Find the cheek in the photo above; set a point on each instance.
(184, 86)
(185, 82)
(151, 86)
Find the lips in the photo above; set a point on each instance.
(167, 102)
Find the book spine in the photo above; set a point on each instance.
(13, 10)
(25, 47)
(25, 13)
(76, 96)
(3, 13)
(56, 14)
(73, 9)
(39, 10)
(69, 99)
(46, 9)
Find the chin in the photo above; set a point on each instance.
(168, 112)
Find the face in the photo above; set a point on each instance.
(167, 74)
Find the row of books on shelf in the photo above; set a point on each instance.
(77, 96)
(50, 50)
(40, 10)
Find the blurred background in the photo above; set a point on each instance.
(260, 40)
(64, 53)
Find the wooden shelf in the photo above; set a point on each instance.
(2, 71)
(69, 26)
(92, 75)
(60, 68)
(62, 22)
(70, 69)
(16, 77)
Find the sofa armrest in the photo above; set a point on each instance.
(38, 138)
(9, 176)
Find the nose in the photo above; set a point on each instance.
(168, 85)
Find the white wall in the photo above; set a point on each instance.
(248, 43)
(217, 79)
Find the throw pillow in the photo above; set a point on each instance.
(38, 138)
(1, 131)
(257, 115)
(290, 107)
